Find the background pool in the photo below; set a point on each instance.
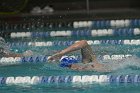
(23, 23)
(53, 69)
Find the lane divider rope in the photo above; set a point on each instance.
(34, 80)
(96, 24)
(68, 43)
(77, 33)
(107, 23)
(43, 59)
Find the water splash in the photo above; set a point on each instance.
(123, 66)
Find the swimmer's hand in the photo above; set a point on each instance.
(55, 57)
(28, 53)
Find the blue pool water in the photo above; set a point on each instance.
(53, 69)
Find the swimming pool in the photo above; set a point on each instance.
(107, 49)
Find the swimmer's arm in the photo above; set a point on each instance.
(13, 55)
(82, 67)
(7, 53)
(95, 59)
(90, 67)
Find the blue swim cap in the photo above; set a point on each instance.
(67, 61)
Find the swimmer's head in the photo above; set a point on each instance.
(67, 61)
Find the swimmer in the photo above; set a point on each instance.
(5, 51)
(89, 61)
